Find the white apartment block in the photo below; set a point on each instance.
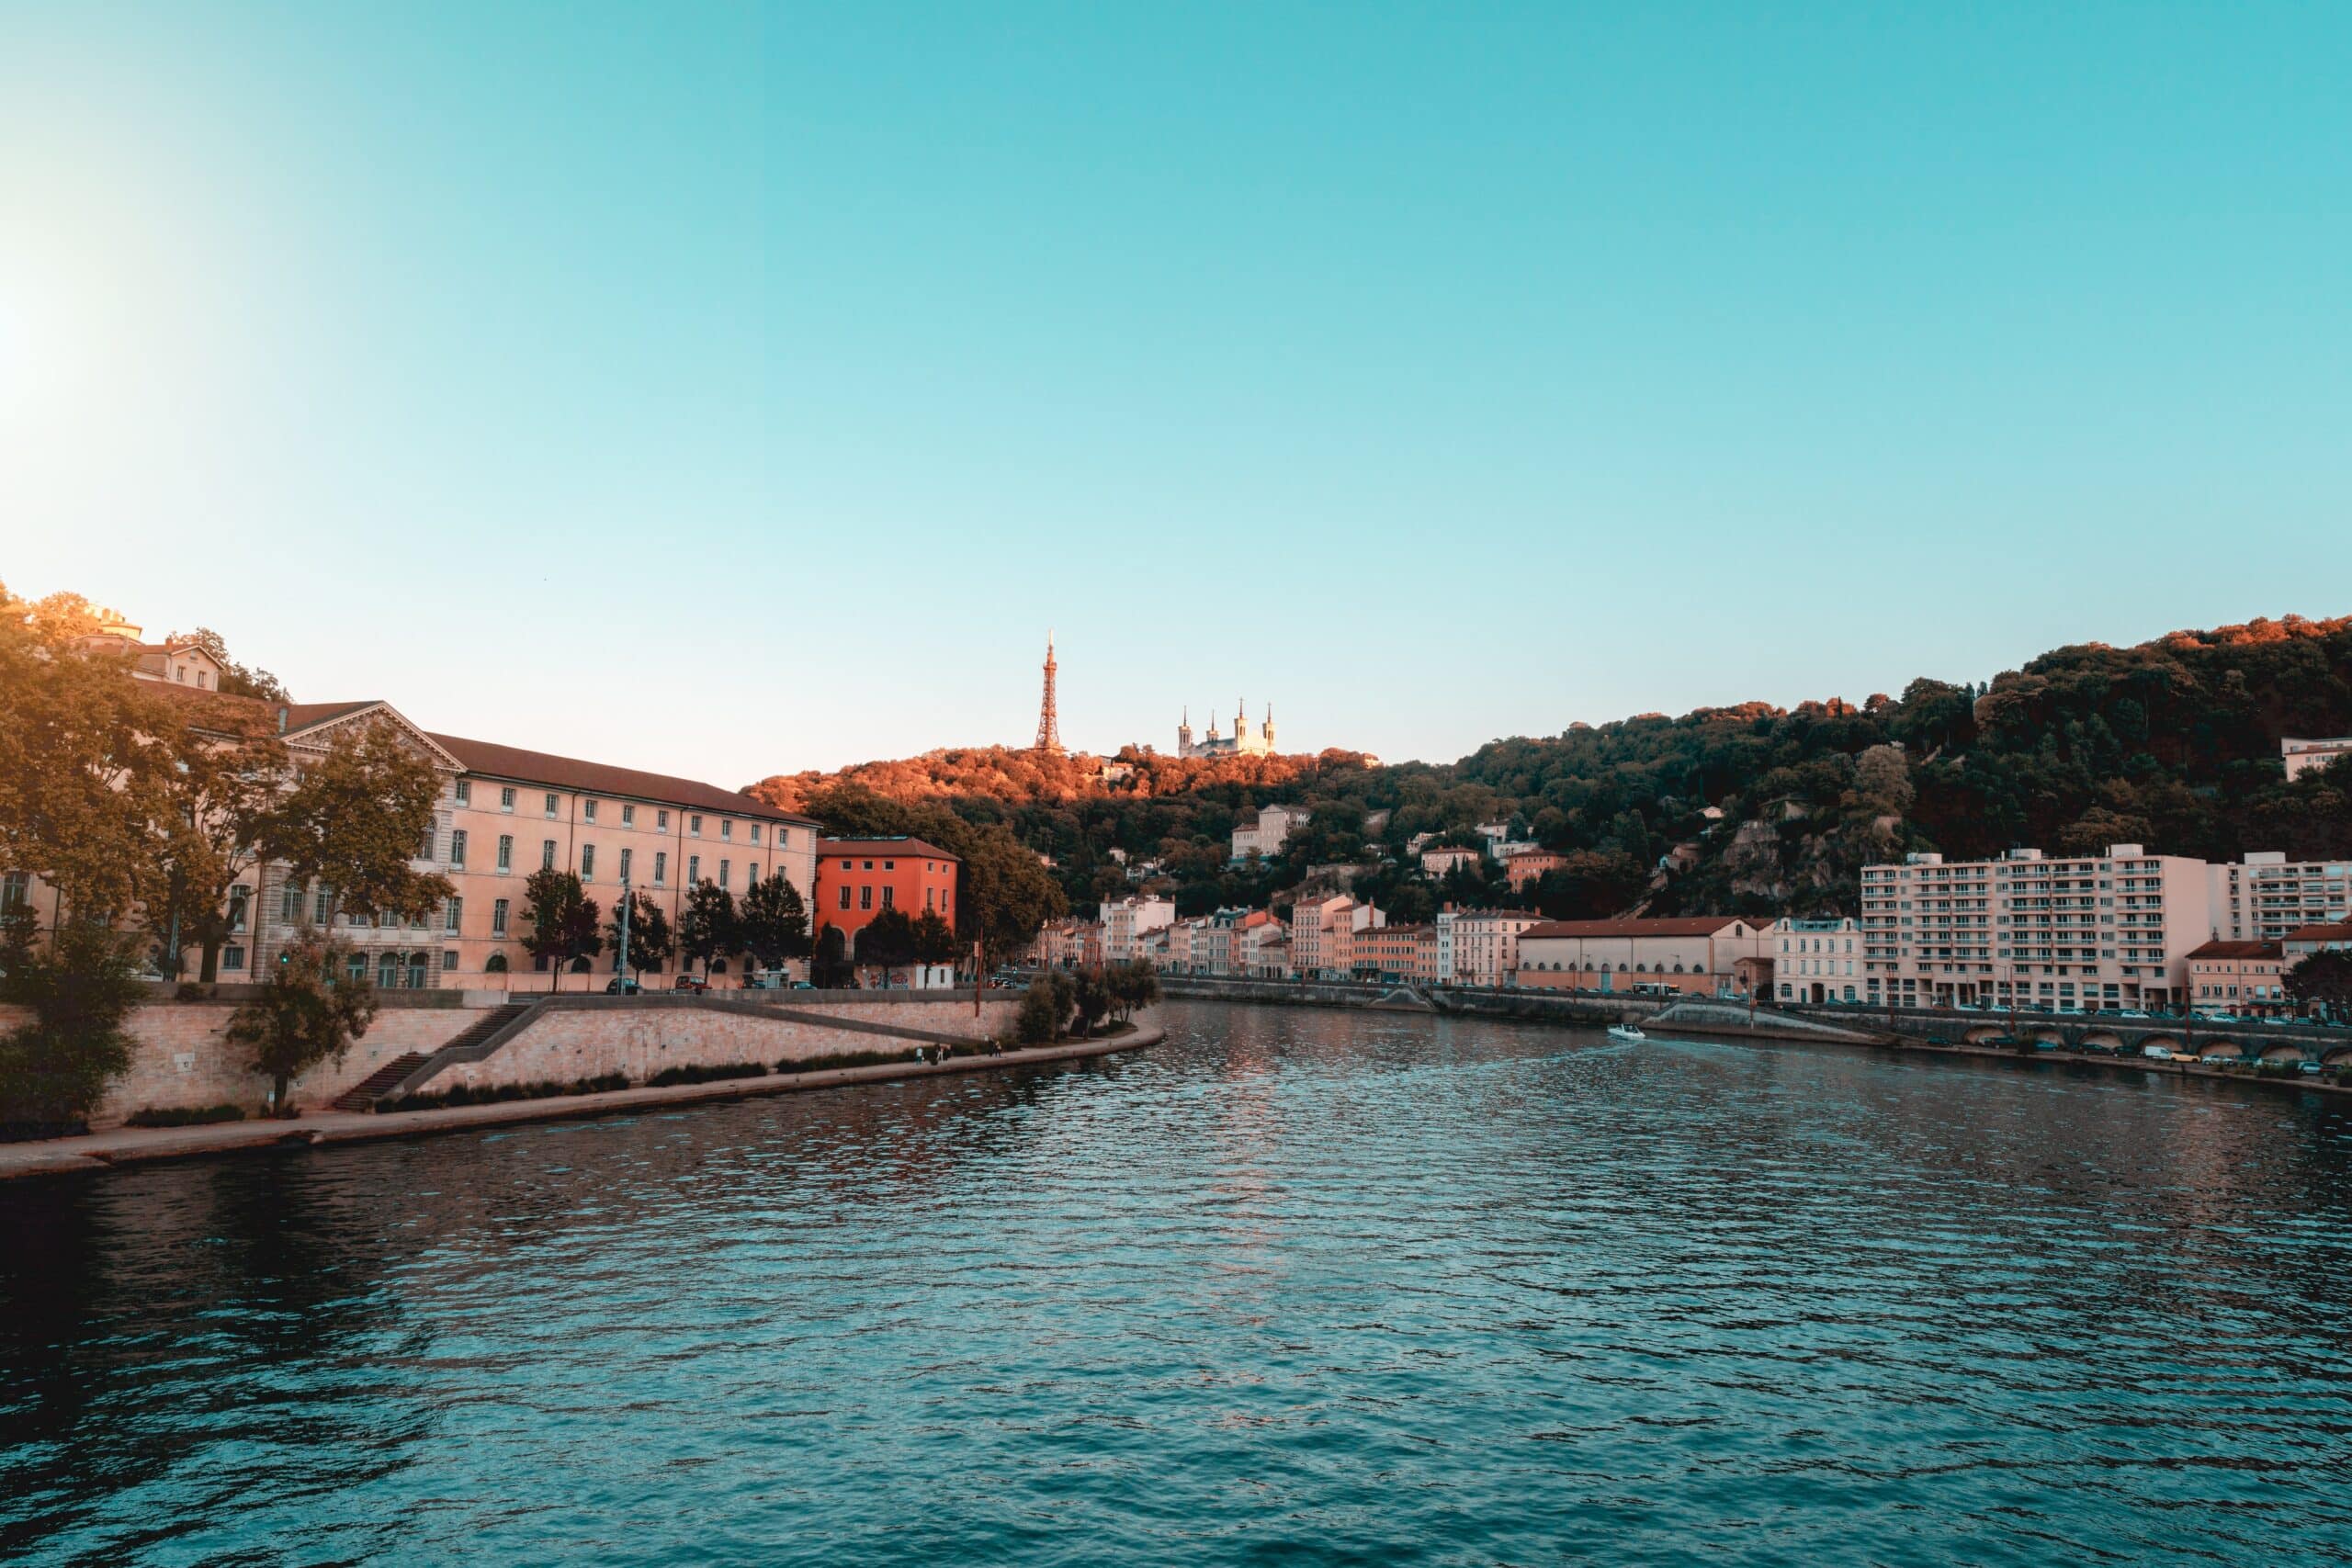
(2298, 755)
(1480, 947)
(2083, 931)
(2266, 896)
(1273, 830)
(1127, 922)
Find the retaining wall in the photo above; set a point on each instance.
(581, 1038)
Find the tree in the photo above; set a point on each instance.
(85, 755)
(2321, 981)
(886, 942)
(1132, 986)
(1089, 997)
(650, 940)
(79, 987)
(354, 820)
(829, 969)
(774, 923)
(708, 929)
(310, 1011)
(935, 939)
(1045, 1011)
(562, 922)
(221, 801)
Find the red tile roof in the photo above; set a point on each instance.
(1692, 925)
(2325, 931)
(2235, 949)
(909, 848)
(598, 778)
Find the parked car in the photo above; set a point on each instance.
(2103, 1049)
(616, 987)
(2313, 1068)
(2217, 1059)
(2156, 1053)
(690, 983)
(803, 986)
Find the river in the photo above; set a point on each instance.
(1297, 1286)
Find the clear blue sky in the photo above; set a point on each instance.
(727, 390)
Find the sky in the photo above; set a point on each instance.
(726, 389)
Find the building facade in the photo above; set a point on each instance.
(1269, 833)
(2265, 895)
(1816, 961)
(859, 878)
(1241, 743)
(2300, 756)
(1480, 947)
(2073, 932)
(1697, 955)
(2241, 977)
(1127, 922)
(1397, 955)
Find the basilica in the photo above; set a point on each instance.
(1241, 743)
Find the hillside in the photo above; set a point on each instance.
(2174, 743)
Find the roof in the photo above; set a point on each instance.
(2326, 931)
(1692, 925)
(599, 778)
(899, 846)
(2235, 949)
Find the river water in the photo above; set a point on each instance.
(1299, 1287)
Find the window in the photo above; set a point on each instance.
(237, 898)
(889, 865)
(290, 905)
(693, 825)
(587, 862)
(722, 873)
(498, 918)
(751, 874)
(458, 847)
(551, 805)
(16, 890)
(588, 810)
(506, 799)
(232, 956)
(625, 856)
(506, 852)
(727, 827)
(661, 867)
(449, 960)
(323, 905)
(464, 791)
(628, 815)
(845, 893)
(453, 914)
(547, 854)
(887, 891)
(865, 896)
(755, 832)
(693, 870)
(426, 853)
(661, 820)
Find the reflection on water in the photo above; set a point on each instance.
(1297, 1286)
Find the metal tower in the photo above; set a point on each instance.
(1049, 732)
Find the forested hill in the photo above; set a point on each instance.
(2172, 743)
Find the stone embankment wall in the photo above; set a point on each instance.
(181, 1058)
(1551, 1005)
(640, 1036)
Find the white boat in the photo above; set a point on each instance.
(1629, 1033)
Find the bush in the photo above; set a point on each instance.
(849, 1059)
(1045, 1009)
(184, 1116)
(55, 1069)
(713, 1074)
(499, 1094)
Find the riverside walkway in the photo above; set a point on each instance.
(136, 1146)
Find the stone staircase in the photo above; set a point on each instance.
(363, 1096)
(389, 1077)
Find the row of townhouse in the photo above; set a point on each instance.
(503, 813)
(2112, 930)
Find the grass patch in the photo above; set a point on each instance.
(184, 1116)
(717, 1073)
(500, 1094)
(843, 1059)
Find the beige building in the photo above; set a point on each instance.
(1270, 833)
(1480, 947)
(1127, 922)
(2302, 755)
(1322, 935)
(2264, 897)
(2237, 978)
(1700, 955)
(1438, 861)
(1816, 961)
(2081, 931)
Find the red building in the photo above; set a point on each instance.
(859, 878)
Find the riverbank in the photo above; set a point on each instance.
(140, 1145)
